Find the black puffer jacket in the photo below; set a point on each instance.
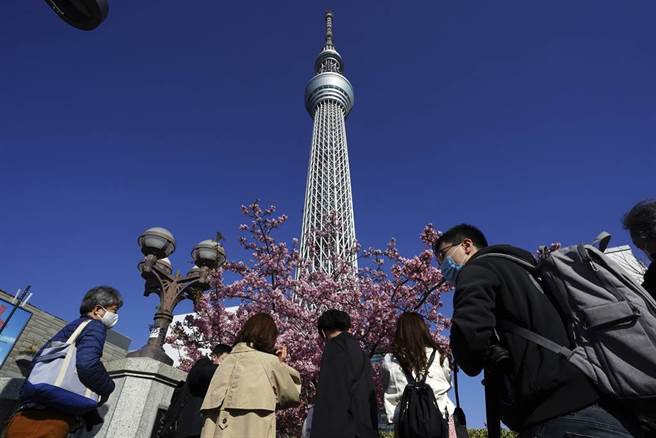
(491, 289)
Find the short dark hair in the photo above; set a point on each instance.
(260, 332)
(459, 233)
(220, 349)
(104, 296)
(641, 222)
(332, 320)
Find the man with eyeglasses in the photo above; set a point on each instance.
(535, 391)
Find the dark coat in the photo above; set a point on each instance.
(200, 376)
(183, 418)
(198, 380)
(543, 384)
(345, 404)
(90, 344)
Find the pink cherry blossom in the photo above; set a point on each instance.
(385, 285)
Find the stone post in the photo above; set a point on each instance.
(143, 387)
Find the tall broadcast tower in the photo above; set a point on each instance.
(328, 99)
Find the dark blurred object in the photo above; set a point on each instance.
(83, 14)
(499, 392)
(91, 419)
(497, 358)
(459, 418)
(646, 411)
(183, 417)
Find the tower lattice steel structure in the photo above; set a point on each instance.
(328, 99)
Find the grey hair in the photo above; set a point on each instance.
(104, 296)
(641, 222)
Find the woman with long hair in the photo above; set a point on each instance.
(412, 348)
(251, 383)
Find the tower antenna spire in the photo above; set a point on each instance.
(328, 198)
(329, 30)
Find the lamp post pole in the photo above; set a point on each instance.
(156, 245)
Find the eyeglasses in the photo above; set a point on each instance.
(442, 253)
(113, 308)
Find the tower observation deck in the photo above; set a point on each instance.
(328, 100)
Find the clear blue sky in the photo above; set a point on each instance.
(534, 120)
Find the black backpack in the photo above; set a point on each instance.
(419, 415)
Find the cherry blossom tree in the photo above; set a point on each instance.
(385, 285)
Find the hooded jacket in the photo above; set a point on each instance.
(491, 290)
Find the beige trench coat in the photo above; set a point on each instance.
(245, 392)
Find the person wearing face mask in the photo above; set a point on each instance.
(33, 420)
(534, 391)
(641, 223)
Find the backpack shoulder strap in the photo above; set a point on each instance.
(492, 414)
(456, 369)
(428, 365)
(408, 375)
(529, 266)
(532, 269)
(535, 338)
(77, 331)
(459, 417)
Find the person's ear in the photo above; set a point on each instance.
(468, 246)
(95, 312)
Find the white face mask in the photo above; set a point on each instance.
(109, 319)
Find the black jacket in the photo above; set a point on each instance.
(345, 404)
(543, 384)
(183, 418)
(650, 280)
(200, 376)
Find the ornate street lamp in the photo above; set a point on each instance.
(156, 245)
